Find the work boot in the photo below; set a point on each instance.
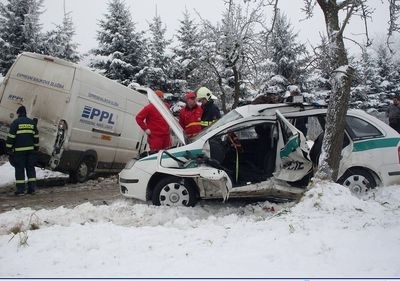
(19, 193)
(31, 191)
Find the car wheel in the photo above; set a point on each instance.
(358, 181)
(83, 171)
(174, 191)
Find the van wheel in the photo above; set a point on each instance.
(359, 181)
(174, 191)
(83, 172)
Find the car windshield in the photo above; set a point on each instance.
(229, 117)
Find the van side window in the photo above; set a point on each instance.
(361, 129)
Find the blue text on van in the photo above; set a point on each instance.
(91, 112)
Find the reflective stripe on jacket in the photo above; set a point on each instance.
(23, 135)
(190, 120)
(210, 113)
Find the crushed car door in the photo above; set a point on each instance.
(292, 161)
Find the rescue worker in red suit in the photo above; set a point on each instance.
(154, 125)
(190, 115)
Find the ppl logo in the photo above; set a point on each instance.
(102, 115)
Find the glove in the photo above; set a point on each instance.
(148, 132)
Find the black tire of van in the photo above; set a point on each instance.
(177, 190)
(83, 171)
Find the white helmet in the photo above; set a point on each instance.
(204, 92)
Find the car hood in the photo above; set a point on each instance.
(166, 113)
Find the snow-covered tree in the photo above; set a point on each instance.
(120, 54)
(20, 29)
(59, 42)
(186, 53)
(342, 74)
(289, 57)
(229, 48)
(155, 73)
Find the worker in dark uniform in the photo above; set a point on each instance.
(22, 142)
(211, 111)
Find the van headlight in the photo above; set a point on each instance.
(130, 164)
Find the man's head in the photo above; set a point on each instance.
(396, 100)
(203, 95)
(21, 111)
(190, 98)
(160, 94)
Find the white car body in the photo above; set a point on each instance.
(367, 160)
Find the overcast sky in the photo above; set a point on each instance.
(86, 13)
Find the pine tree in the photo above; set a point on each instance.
(120, 53)
(366, 72)
(20, 30)
(288, 56)
(155, 74)
(58, 42)
(186, 54)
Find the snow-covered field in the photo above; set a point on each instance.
(330, 233)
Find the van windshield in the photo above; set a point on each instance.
(229, 117)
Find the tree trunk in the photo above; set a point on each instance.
(339, 98)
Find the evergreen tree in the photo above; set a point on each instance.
(20, 30)
(289, 57)
(155, 74)
(58, 42)
(366, 72)
(186, 54)
(120, 53)
(158, 44)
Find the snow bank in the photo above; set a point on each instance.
(7, 176)
(329, 233)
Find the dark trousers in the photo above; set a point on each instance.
(25, 161)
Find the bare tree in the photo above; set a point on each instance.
(342, 73)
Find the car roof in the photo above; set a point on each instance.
(270, 109)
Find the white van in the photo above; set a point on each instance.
(86, 121)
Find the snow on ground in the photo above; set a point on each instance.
(329, 233)
(7, 176)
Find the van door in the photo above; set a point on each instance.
(292, 159)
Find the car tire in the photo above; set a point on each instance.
(359, 181)
(174, 191)
(82, 172)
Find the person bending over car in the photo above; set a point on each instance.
(154, 125)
